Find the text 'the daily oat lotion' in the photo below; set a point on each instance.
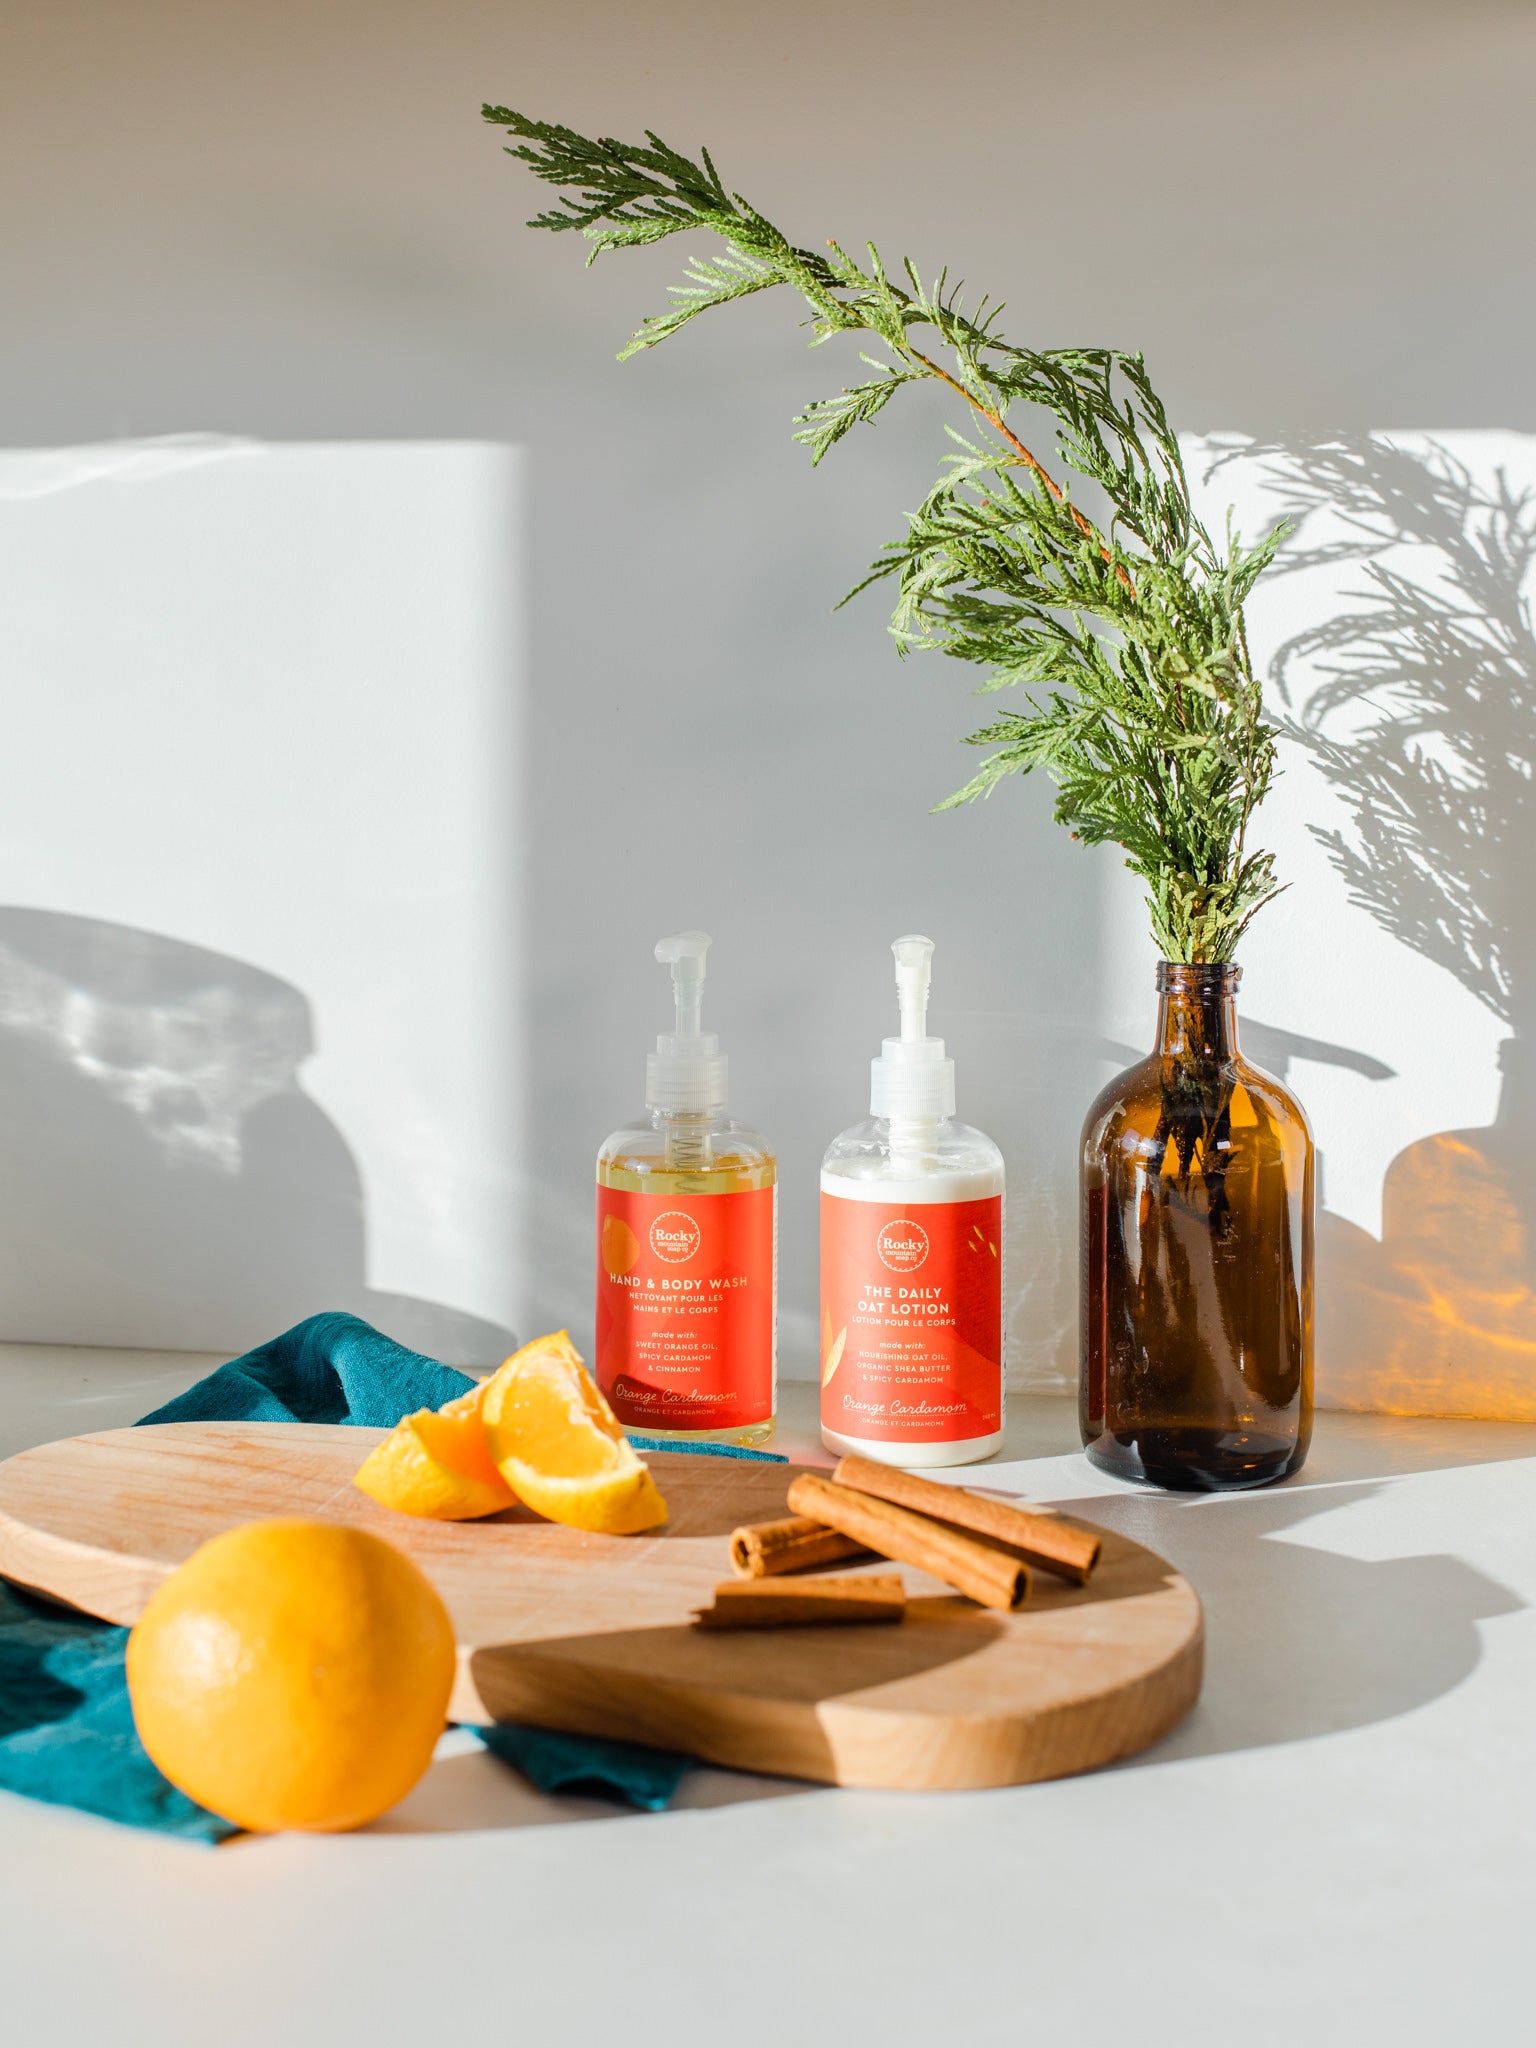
(912, 1259)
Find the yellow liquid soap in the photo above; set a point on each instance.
(741, 1170)
(687, 1246)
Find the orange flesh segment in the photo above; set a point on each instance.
(436, 1463)
(457, 1441)
(556, 1441)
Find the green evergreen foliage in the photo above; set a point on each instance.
(1124, 632)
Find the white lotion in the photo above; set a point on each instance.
(912, 1259)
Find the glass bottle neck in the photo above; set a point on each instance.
(1197, 1010)
(690, 1136)
(915, 1142)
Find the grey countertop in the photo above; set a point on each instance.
(1336, 1846)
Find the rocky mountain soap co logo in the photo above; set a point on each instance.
(674, 1237)
(902, 1246)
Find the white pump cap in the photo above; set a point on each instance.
(687, 1069)
(912, 1081)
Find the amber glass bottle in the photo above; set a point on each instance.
(1196, 1302)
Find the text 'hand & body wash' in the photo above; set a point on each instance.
(687, 1243)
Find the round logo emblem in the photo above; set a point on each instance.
(675, 1237)
(902, 1246)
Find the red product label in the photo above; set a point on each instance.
(912, 1319)
(685, 1308)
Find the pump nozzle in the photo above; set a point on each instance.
(912, 1082)
(687, 1071)
(914, 972)
(684, 954)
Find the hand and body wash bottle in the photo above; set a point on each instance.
(687, 1243)
(912, 1259)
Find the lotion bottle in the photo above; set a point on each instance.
(687, 1243)
(912, 1259)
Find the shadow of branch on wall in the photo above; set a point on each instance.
(161, 1165)
(1419, 710)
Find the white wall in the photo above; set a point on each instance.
(1400, 643)
(287, 224)
(1391, 985)
(259, 1043)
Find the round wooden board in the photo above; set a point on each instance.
(561, 1629)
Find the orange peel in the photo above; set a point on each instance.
(436, 1463)
(561, 1448)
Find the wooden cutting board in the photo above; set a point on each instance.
(561, 1629)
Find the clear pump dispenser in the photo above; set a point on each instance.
(912, 1258)
(687, 1226)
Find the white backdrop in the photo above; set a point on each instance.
(287, 223)
(1392, 983)
(308, 999)
(259, 832)
(273, 1037)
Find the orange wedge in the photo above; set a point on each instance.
(559, 1446)
(436, 1463)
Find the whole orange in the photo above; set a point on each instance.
(293, 1674)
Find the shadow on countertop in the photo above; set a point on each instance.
(470, 1792)
(1304, 1641)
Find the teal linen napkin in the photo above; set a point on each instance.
(647, 1778)
(672, 1443)
(66, 1726)
(329, 1368)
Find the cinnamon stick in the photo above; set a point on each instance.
(791, 1545)
(1043, 1540)
(760, 1603)
(985, 1570)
